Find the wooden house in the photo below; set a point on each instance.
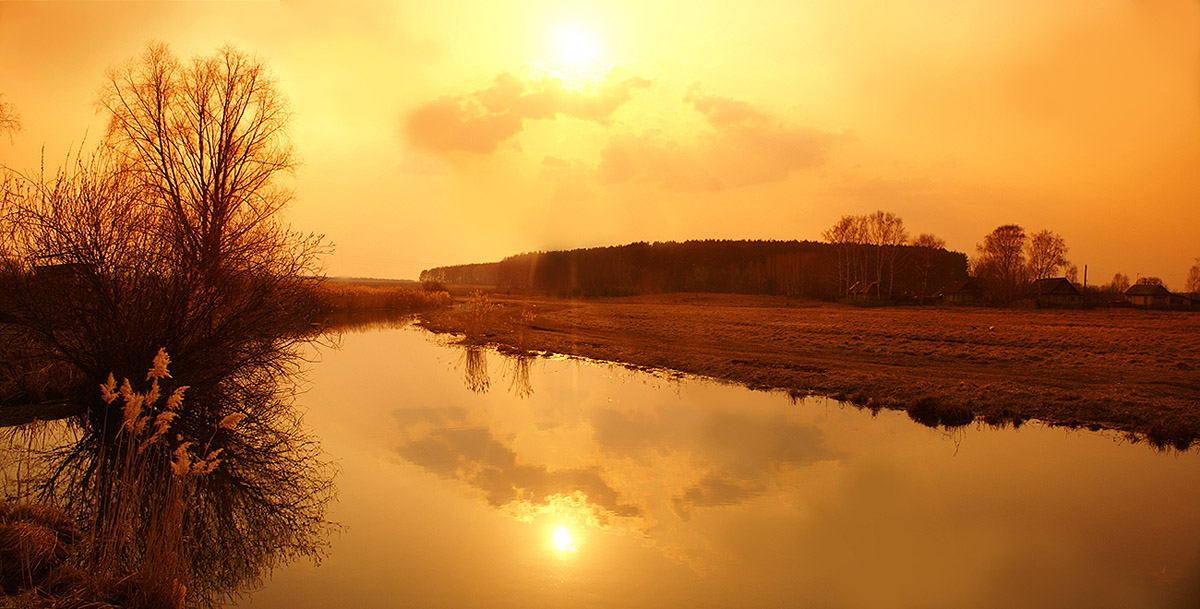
(1057, 292)
(1152, 295)
(1157, 296)
(963, 291)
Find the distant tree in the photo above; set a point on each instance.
(1000, 262)
(1072, 273)
(1150, 280)
(1120, 283)
(1046, 253)
(847, 236)
(1193, 278)
(10, 122)
(885, 230)
(927, 245)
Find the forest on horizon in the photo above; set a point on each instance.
(802, 269)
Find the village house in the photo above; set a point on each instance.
(963, 291)
(1156, 296)
(1057, 292)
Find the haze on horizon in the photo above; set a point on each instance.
(469, 131)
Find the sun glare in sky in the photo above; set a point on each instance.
(576, 47)
(576, 59)
(562, 539)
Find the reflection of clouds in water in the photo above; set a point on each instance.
(720, 459)
(740, 444)
(714, 491)
(732, 457)
(474, 456)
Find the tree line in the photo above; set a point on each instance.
(804, 269)
(862, 257)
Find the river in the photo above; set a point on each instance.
(472, 479)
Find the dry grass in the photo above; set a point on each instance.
(356, 297)
(1131, 370)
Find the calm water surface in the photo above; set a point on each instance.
(555, 483)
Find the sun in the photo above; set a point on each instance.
(576, 47)
(562, 540)
(576, 58)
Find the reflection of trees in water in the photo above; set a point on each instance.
(473, 361)
(262, 505)
(518, 365)
(475, 372)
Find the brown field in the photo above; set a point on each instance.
(1131, 370)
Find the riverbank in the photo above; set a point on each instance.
(1129, 370)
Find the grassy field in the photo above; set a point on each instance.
(1131, 370)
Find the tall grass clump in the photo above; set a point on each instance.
(478, 306)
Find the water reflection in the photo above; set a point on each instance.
(473, 361)
(518, 369)
(201, 493)
(693, 493)
(731, 457)
(473, 456)
(475, 372)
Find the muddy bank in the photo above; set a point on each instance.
(1130, 370)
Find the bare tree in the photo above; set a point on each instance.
(1120, 283)
(886, 232)
(867, 246)
(208, 142)
(926, 245)
(10, 121)
(844, 235)
(1047, 255)
(170, 236)
(1001, 262)
(1193, 278)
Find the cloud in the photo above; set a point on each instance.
(745, 146)
(479, 122)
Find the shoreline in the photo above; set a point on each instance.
(1126, 370)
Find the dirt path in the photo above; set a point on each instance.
(1123, 369)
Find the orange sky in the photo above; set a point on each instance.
(450, 132)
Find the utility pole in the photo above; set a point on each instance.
(1085, 286)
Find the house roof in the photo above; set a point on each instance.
(1056, 286)
(962, 286)
(1147, 289)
